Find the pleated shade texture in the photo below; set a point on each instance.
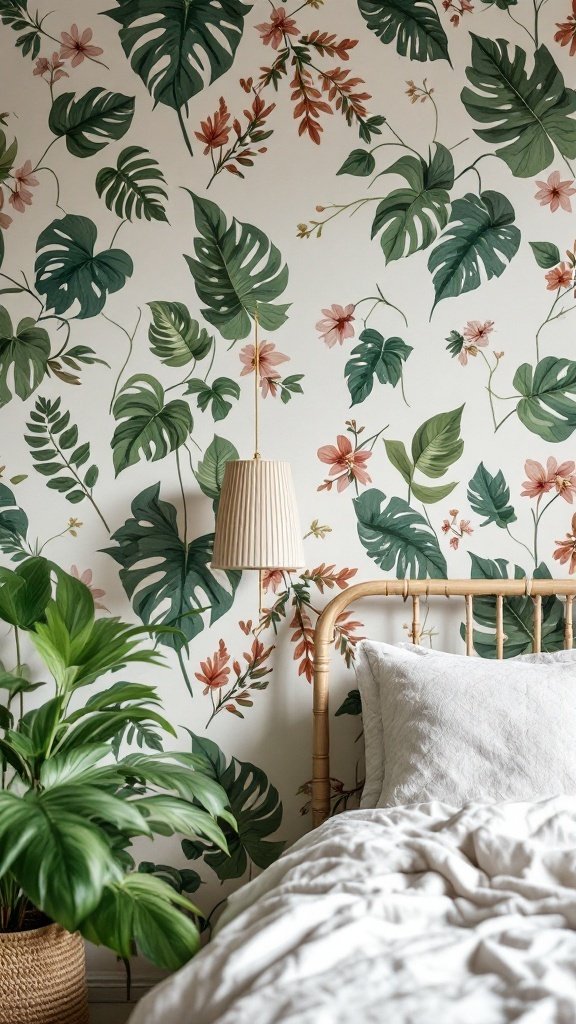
(257, 525)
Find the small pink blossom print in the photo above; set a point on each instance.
(566, 34)
(555, 193)
(268, 359)
(41, 66)
(336, 326)
(477, 333)
(457, 530)
(560, 277)
(566, 550)
(5, 220)
(347, 464)
(474, 336)
(460, 8)
(86, 578)
(54, 67)
(554, 477)
(272, 32)
(272, 579)
(76, 46)
(214, 672)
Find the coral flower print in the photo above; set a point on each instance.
(215, 131)
(272, 579)
(347, 464)
(54, 67)
(566, 34)
(555, 193)
(272, 32)
(477, 333)
(268, 359)
(554, 477)
(214, 671)
(336, 326)
(474, 336)
(566, 550)
(559, 277)
(457, 530)
(75, 46)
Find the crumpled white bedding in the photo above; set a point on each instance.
(414, 915)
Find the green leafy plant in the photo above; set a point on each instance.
(132, 187)
(489, 496)
(413, 25)
(25, 352)
(210, 470)
(214, 395)
(378, 357)
(436, 445)
(149, 427)
(69, 811)
(531, 114)
(175, 337)
(92, 121)
(546, 407)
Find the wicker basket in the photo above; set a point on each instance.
(43, 977)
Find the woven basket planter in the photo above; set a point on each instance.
(42, 977)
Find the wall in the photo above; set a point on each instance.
(392, 184)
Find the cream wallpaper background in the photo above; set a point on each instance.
(378, 158)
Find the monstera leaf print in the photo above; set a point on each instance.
(256, 806)
(530, 113)
(481, 236)
(131, 188)
(518, 613)
(24, 352)
(91, 122)
(413, 24)
(411, 218)
(68, 270)
(378, 357)
(397, 537)
(489, 497)
(167, 579)
(178, 47)
(174, 336)
(546, 407)
(149, 428)
(13, 526)
(237, 272)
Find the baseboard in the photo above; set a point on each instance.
(110, 986)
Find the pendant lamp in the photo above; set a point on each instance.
(257, 523)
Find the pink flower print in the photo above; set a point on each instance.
(555, 193)
(272, 32)
(347, 464)
(86, 578)
(337, 325)
(75, 46)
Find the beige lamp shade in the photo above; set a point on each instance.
(257, 525)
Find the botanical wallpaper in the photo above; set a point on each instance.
(388, 188)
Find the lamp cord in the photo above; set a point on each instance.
(256, 385)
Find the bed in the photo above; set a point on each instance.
(450, 896)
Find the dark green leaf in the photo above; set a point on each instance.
(91, 122)
(174, 336)
(213, 395)
(13, 525)
(374, 356)
(237, 271)
(150, 428)
(546, 254)
(359, 162)
(352, 705)
(489, 496)
(131, 188)
(413, 25)
(211, 468)
(25, 352)
(397, 537)
(530, 113)
(411, 218)
(547, 408)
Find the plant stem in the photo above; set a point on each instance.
(130, 346)
(185, 675)
(521, 542)
(113, 239)
(184, 131)
(80, 483)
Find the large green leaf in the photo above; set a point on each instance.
(214, 395)
(211, 468)
(546, 408)
(7, 156)
(481, 235)
(411, 218)
(65, 863)
(68, 271)
(91, 122)
(174, 336)
(13, 525)
(374, 356)
(437, 444)
(546, 254)
(237, 272)
(397, 537)
(489, 496)
(149, 428)
(26, 352)
(25, 592)
(518, 613)
(256, 807)
(167, 580)
(530, 113)
(177, 47)
(413, 24)
(143, 909)
(131, 188)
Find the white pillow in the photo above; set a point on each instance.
(446, 727)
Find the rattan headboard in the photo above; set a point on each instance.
(415, 589)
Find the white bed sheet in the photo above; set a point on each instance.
(416, 915)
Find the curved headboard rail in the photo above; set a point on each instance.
(415, 589)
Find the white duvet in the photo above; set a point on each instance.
(414, 915)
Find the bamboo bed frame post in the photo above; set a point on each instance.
(469, 589)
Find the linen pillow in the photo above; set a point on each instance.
(446, 727)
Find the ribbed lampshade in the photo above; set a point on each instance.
(257, 525)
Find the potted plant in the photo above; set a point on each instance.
(70, 809)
